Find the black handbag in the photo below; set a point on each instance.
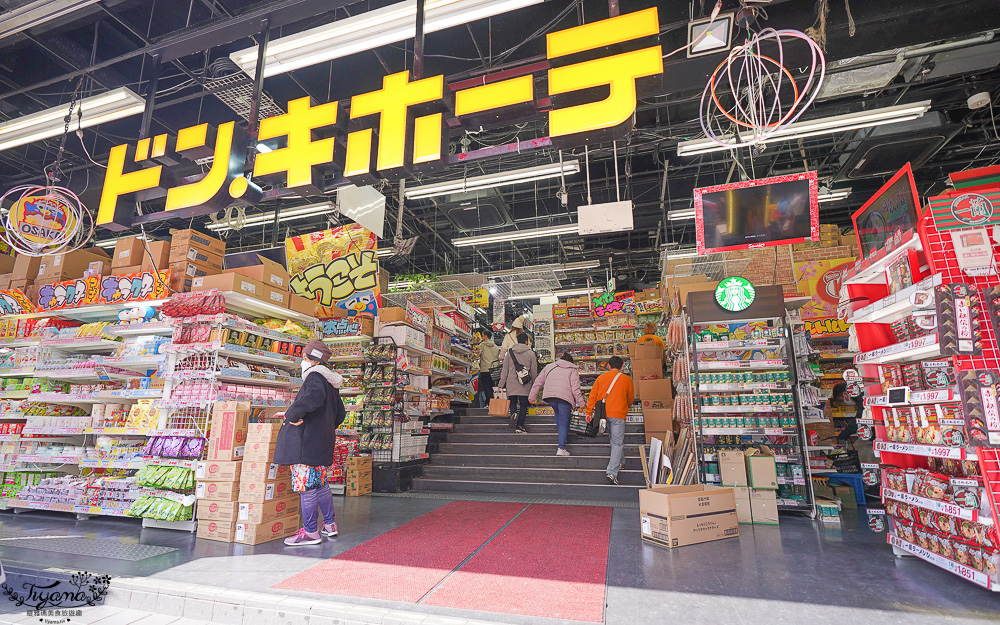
(495, 370)
(522, 373)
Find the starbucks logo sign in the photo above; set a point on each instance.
(735, 294)
(972, 209)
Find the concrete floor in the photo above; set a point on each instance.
(798, 572)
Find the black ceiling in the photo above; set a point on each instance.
(110, 44)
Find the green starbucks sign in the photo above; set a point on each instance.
(735, 294)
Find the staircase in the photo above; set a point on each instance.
(484, 455)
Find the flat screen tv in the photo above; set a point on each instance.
(757, 213)
(896, 206)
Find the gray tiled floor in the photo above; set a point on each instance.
(798, 572)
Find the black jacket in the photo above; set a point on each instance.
(319, 406)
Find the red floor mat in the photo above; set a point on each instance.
(550, 562)
(406, 563)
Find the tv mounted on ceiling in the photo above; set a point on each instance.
(896, 206)
(757, 213)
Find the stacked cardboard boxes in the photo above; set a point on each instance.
(268, 507)
(218, 477)
(358, 476)
(132, 255)
(59, 267)
(753, 476)
(272, 278)
(192, 255)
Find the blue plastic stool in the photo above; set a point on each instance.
(849, 479)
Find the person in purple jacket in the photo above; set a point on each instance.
(559, 385)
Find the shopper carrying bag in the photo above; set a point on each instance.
(499, 405)
(306, 442)
(559, 385)
(489, 362)
(520, 368)
(610, 400)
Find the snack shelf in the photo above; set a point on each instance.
(82, 375)
(63, 398)
(931, 504)
(16, 373)
(419, 350)
(248, 354)
(178, 432)
(463, 333)
(930, 451)
(112, 464)
(739, 365)
(748, 344)
(778, 458)
(85, 344)
(403, 322)
(39, 459)
(139, 393)
(339, 339)
(461, 350)
(252, 328)
(159, 461)
(895, 306)
(916, 398)
(796, 481)
(874, 271)
(100, 510)
(236, 376)
(348, 358)
(975, 576)
(38, 505)
(459, 360)
(350, 392)
(728, 409)
(820, 448)
(920, 348)
(821, 470)
(55, 431)
(159, 328)
(120, 431)
(745, 386)
(749, 431)
(19, 342)
(6, 438)
(240, 302)
(140, 364)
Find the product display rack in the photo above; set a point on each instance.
(928, 342)
(744, 391)
(594, 340)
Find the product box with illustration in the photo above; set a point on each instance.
(256, 533)
(230, 421)
(253, 512)
(217, 530)
(214, 471)
(675, 516)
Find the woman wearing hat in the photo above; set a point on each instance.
(306, 442)
(517, 328)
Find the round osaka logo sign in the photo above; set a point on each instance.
(972, 209)
(42, 218)
(735, 294)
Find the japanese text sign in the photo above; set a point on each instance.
(14, 302)
(134, 287)
(338, 268)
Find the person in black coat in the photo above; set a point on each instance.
(307, 439)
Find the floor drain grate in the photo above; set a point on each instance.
(80, 546)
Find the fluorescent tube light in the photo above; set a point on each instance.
(262, 148)
(577, 266)
(516, 235)
(32, 14)
(111, 242)
(478, 183)
(682, 254)
(822, 126)
(386, 251)
(109, 106)
(405, 284)
(366, 31)
(833, 196)
(299, 212)
(681, 214)
(563, 293)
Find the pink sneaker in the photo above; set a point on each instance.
(329, 529)
(302, 537)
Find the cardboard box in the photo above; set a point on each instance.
(5, 281)
(647, 370)
(733, 468)
(258, 452)
(257, 533)
(762, 472)
(201, 257)
(25, 268)
(230, 422)
(267, 272)
(180, 284)
(656, 394)
(763, 506)
(259, 491)
(278, 297)
(657, 423)
(253, 512)
(359, 464)
(59, 267)
(263, 432)
(190, 270)
(744, 512)
(194, 238)
(675, 516)
(845, 493)
(225, 511)
(160, 253)
(230, 282)
(6, 263)
(358, 487)
(302, 305)
(217, 491)
(211, 471)
(217, 530)
(264, 471)
(128, 251)
(643, 351)
(391, 314)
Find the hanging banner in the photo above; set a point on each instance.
(826, 326)
(607, 303)
(338, 268)
(134, 287)
(820, 280)
(346, 327)
(961, 209)
(14, 302)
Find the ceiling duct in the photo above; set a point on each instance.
(841, 80)
(883, 150)
(477, 210)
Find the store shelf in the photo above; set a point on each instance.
(821, 470)
(240, 302)
(930, 451)
(113, 464)
(246, 354)
(83, 345)
(235, 376)
(751, 409)
(749, 431)
(80, 431)
(171, 462)
(920, 348)
(41, 459)
(746, 386)
(871, 272)
(140, 364)
(64, 398)
(159, 328)
(931, 504)
(121, 431)
(21, 372)
(100, 511)
(38, 505)
(749, 344)
(21, 342)
(975, 576)
(348, 358)
(82, 375)
(461, 350)
(820, 448)
(135, 394)
(741, 365)
(916, 398)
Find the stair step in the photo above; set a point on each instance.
(593, 492)
(518, 459)
(534, 427)
(532, 438)
(540, 449)
(566, 475)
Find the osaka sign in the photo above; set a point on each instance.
(391, 132)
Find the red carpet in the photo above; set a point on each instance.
(406, 563)
(550, 562)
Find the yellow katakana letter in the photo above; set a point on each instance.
(307, 155)
(229, 153)
(122, 188)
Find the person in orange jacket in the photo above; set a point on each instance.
(616, 389)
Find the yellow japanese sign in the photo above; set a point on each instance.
(338, 268)
(820, 280)
(407, 116)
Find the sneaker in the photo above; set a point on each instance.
(562, 452)
(302, 537)
(329, 529)
(612, 478)
(520, 431)
(621, 467)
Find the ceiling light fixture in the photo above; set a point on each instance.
(369, 30)
(563, 293)
(516, 235)
(576, 266)
(111, 242)
(687, 213)
(822, 126)
(829, 195)
(682, 254)
(404, 284)
(386, 251)
(106, 107)
(478, 183)
(299, 212)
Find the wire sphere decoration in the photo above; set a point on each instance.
(44, 220)
(756, 82)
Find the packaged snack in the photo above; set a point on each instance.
(961, 548)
